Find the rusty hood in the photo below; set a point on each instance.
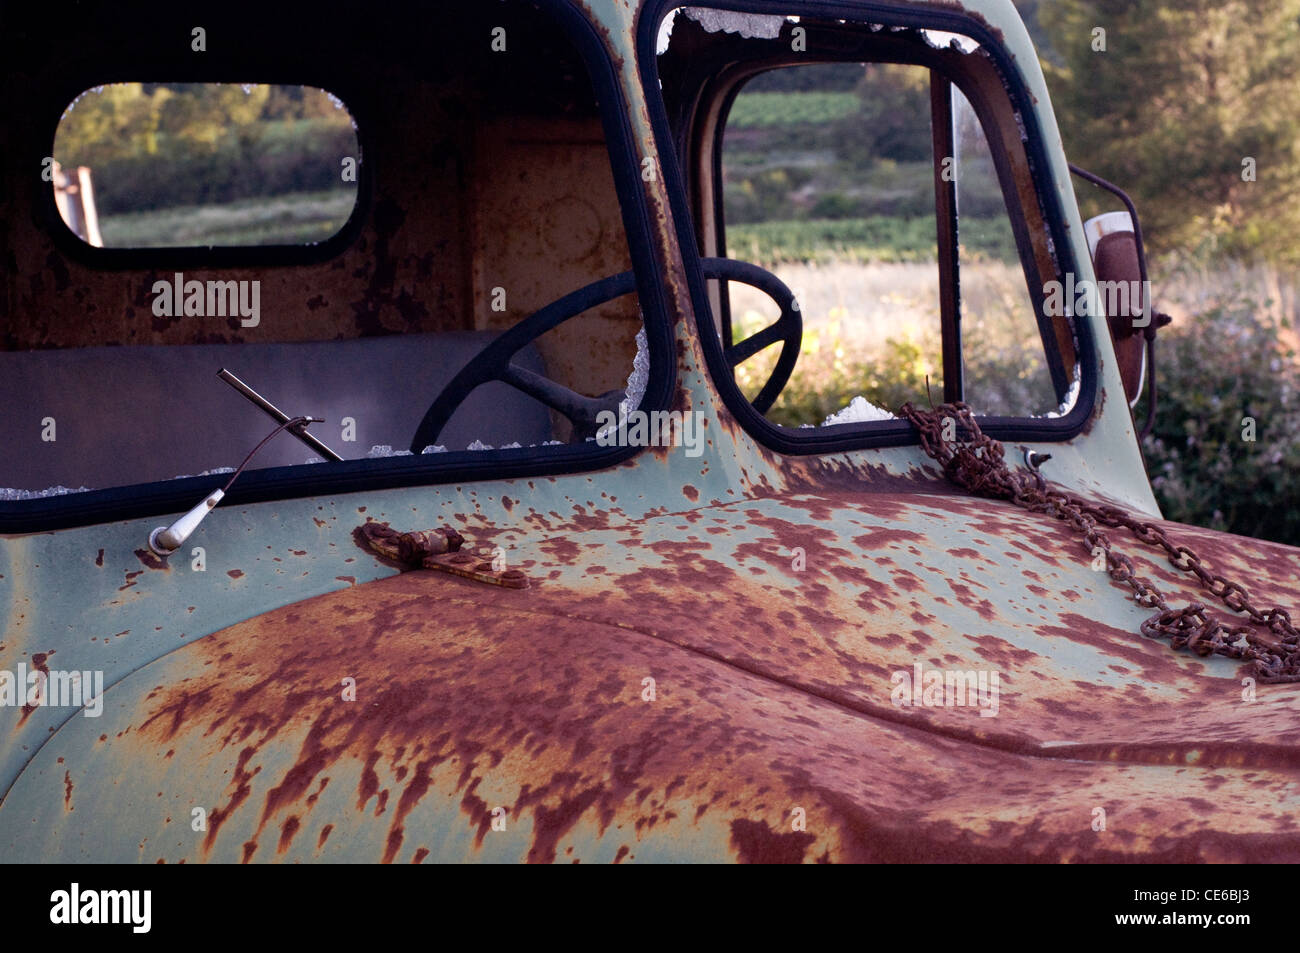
(723, 683)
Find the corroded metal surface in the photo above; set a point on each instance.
(772, 692)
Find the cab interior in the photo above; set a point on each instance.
(484, 192)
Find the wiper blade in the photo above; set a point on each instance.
(279, 416)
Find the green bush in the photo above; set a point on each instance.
(903, 371)
(275, 159)
(899, 376)
(1217, 371)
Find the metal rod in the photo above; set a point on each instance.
(276, 414)
(945, 199)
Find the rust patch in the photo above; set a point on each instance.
(38, 663)
(745, 703)
(151, 560)
(287, 832)
(756, 843)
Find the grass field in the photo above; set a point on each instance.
(292, 219)
(871, 329)
(759, 110)
(875, 239)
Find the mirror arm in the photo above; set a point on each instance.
(1137, 228)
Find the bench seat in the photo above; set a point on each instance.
(125, 415)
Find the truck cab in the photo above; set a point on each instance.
(582, 535)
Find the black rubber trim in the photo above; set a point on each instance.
(846, 437)
(323, 480)
(327, 480)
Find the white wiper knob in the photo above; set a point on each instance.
(165, 540)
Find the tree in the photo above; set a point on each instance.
(1191, 106)
(892, 122)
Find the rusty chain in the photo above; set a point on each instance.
(978, 465)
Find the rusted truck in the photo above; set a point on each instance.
(533, 568)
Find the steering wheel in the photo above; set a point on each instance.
(493, 363)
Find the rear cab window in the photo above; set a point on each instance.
(140, 165)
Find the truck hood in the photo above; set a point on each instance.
(722, 683)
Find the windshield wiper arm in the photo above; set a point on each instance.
(275, 413)
(165, 540)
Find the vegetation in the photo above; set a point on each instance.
(1191, 107)
(871, 330)
(198, 155)
(830, 141)
(786, 109)
(1225, 451)
(881, 238)
(296, 217)
(829, 182)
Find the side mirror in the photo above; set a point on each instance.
(1123, 290)
(1115, 261)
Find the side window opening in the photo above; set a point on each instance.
(1004, 364)
(868, 185)
(492, 200)
(825, 184)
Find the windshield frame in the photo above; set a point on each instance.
(858, 436)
